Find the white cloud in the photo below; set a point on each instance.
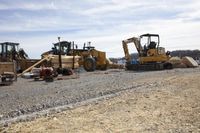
(28, 5)
(105, 23)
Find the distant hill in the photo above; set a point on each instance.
(180, 53)
(195, 54)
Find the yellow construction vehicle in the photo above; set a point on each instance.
(151, 56)
(10, 52)
(91, 59)
(7, 63)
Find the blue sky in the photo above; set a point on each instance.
(36, 24)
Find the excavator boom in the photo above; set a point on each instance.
(138, 46)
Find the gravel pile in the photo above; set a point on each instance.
(27, 96)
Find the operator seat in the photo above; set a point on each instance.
(152, 45)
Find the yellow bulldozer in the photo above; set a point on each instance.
(151, 55)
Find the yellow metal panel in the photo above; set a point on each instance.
(7, 67)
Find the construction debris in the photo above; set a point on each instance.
(48, 74)
(189, 61)
(34, 65)
(177, 62)
(112, 65)
(67, 62)
(183, 63)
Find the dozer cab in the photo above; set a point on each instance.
(91, 59)
(150, 55)
(10, 52)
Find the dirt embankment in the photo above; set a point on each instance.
(168, 101)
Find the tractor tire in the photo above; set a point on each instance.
(89, 64)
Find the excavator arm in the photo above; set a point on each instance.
(138, 46)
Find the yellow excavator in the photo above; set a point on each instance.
(151, 55)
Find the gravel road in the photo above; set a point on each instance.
(27, 96)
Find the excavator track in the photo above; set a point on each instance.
(149, 66)
(145, 67)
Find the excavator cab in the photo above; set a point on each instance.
(150, 41)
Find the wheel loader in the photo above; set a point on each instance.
(10, 52)
(151, 55)
(8, 65)
(91, 59)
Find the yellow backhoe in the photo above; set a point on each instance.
(151, 55)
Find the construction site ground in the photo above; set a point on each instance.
(156, 101)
